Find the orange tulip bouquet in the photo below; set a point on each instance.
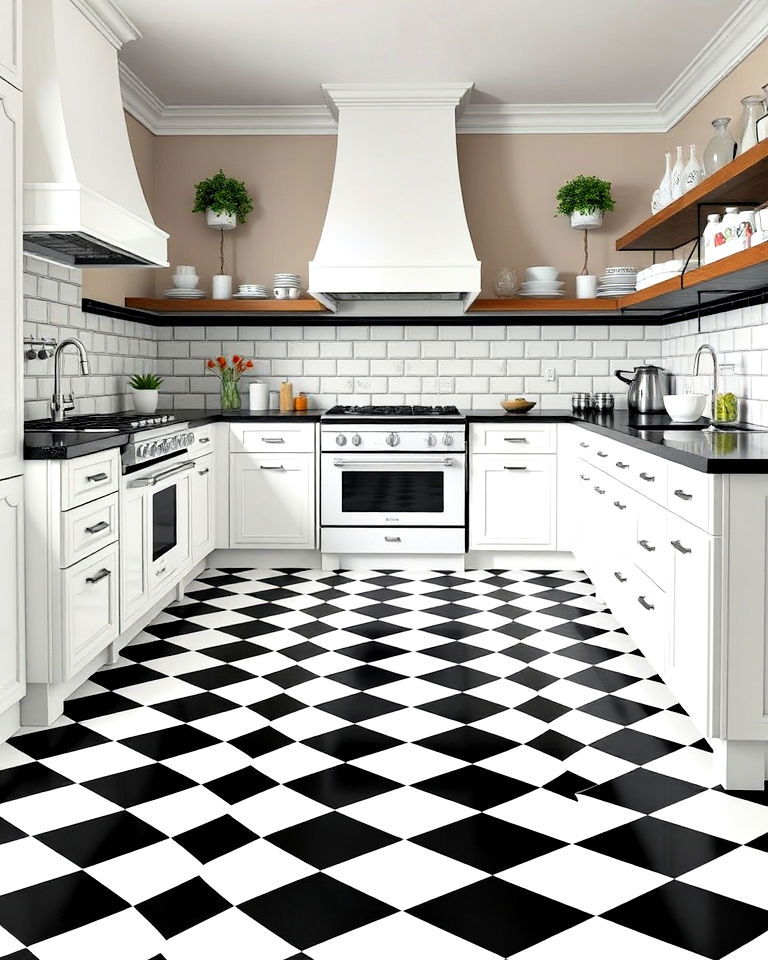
(229, 372)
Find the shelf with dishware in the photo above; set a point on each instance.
(159, 305)
(742, 181)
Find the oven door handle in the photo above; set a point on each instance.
(388, 462)
(154, 478)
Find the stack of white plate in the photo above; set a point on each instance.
(174, 293)
(541, 282)
(287, 280)
(251, 291)
(617, 282)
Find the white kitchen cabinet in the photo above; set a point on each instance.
(202, 508)
(10, 41)
(272, 500)
(11, 191)
(90, 609)
(135, 553)
(512, 502)
(11, 592)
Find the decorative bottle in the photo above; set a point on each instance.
(762, 123)
(754, 110)
(721, 149)
(677, 175)
(665, 187)
(694, 172)
(712, 238)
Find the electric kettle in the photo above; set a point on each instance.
(647, 387)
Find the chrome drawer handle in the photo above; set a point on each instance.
(272, 440)
(584, 476)
(644, 603)
(683, 495)
(622, 466)
(516, 439)
(98, 576)
(582, 444)
(392, 539)
(619, 577)
(601, 454)
(646, 546)
(266, 466)
(619, 506)
(204, 440)
(160, 572)
(515, 468)
(679, 547)
(644, 476)
(97, 477)
(155, 478)
(598, 490)
(202, 473)
(98, 527)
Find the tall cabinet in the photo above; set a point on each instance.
(12, 651)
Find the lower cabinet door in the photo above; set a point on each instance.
(90, 608)
(135, 554)
(692, 670)
(272, 500)
(512, 502)
(11, 592)
(202, 509)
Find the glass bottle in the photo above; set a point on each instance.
(505, 283)
(754, 109)
(721, 149)
(728, 399)
(762, 123)
(694, 171)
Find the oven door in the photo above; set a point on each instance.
(393, 489)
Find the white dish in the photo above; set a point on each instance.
(618, 271)
(541, 287)
(185, 281)
(541, 273)
(544, 295)
(685, 407)
(184, 294)
(250, 296)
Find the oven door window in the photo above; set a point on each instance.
(164, 529)
(392, 491)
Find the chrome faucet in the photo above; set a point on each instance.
(59, 403)
(706, 348)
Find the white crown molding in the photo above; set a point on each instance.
(109, 20)
(738, 37)
(403, 95)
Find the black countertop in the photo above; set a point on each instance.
(719, 452)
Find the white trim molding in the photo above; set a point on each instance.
(109, 20)
(739, 36)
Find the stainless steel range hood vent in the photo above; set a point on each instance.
(395, 238)
(83, 203)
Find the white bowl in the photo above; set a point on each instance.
(541, 273)
(539, 285)
(685, 407)
(185, 281)
(186, 268)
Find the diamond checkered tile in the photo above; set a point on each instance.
(383, 763)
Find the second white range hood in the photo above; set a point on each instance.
(395, 240)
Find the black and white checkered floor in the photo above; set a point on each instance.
(378, 765)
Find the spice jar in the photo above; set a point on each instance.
(726, 406)
(300, 403)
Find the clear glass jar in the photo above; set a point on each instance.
(729, 391)
(505, 283)
(721, 148)
(754, 109)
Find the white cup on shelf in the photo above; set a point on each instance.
(586, 286)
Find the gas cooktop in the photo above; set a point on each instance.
(393, 411)
(117, 422)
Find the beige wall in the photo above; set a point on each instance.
(509, 186)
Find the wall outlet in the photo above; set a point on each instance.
(549, 374)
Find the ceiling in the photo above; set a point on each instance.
(277, 52)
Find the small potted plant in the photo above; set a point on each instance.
(145, 387)
(225, 203)
(229, 373)
(585, 200)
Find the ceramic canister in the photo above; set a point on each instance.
(259, 395)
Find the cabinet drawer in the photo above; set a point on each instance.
(512, 502)
(204, 439)
(272, 438)
(648, 619)
(400, 540)
(90, 609)
(517, 437)
(651, 551)
(648, 475)
(87, 478)
(87, 529)
(694, 496)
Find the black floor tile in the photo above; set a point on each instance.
(237, 650)
(211, 678)
(120, 677)
(58, 740)
(313, 629)
(619, 710)
(556, 745)
(351, 742)
(341, 785)
(577, 631)
(635, 747)
(8, 832)
(456, 651)
(375, 629)
(543, 709)
(215, 838)
(359, 706)
(174, 628)
(369, 651)
(524, 652)
(97, 705)
(28, 779)
(587, 652)
(240, 785)
(533, 678)
(302, 651)
(609, 681)
(151, 650)
(454, 629)
(644, 790)
(259, 742)
(475, 787)
(100, 839)
(468, 743)
(463, 707)
(365, 677)
(132, 787)
(195, 707)
(459, 677)
(330, 839)
(278, 706)
(182, 907)
(171, 742)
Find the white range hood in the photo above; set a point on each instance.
(395, 240)
(83, 203)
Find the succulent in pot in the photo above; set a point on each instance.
(145, 387)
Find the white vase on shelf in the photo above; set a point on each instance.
(721, 149)
(665, 187)
(694, 171)
(676, 177)
(754, 110)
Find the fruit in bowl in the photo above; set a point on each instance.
(518, 405)
(685, 407)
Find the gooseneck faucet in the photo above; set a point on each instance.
(706, 348)
(59, 403)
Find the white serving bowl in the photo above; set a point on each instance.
(685, 407)
(541, 273)
(185, 281)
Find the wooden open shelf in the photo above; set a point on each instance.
(562, 305)
(742, 181)
(166, 305)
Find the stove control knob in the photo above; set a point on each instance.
(356, 439)
(340, 439)
(190, 439)
(393, 440)
(431, 441)
(447, 440)
(139, 451)
(153, 449)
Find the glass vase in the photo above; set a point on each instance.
(230, 392)
(721, 148)
(754, 109)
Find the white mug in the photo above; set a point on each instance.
(586, 286)
(222, 286)
(281, 293)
